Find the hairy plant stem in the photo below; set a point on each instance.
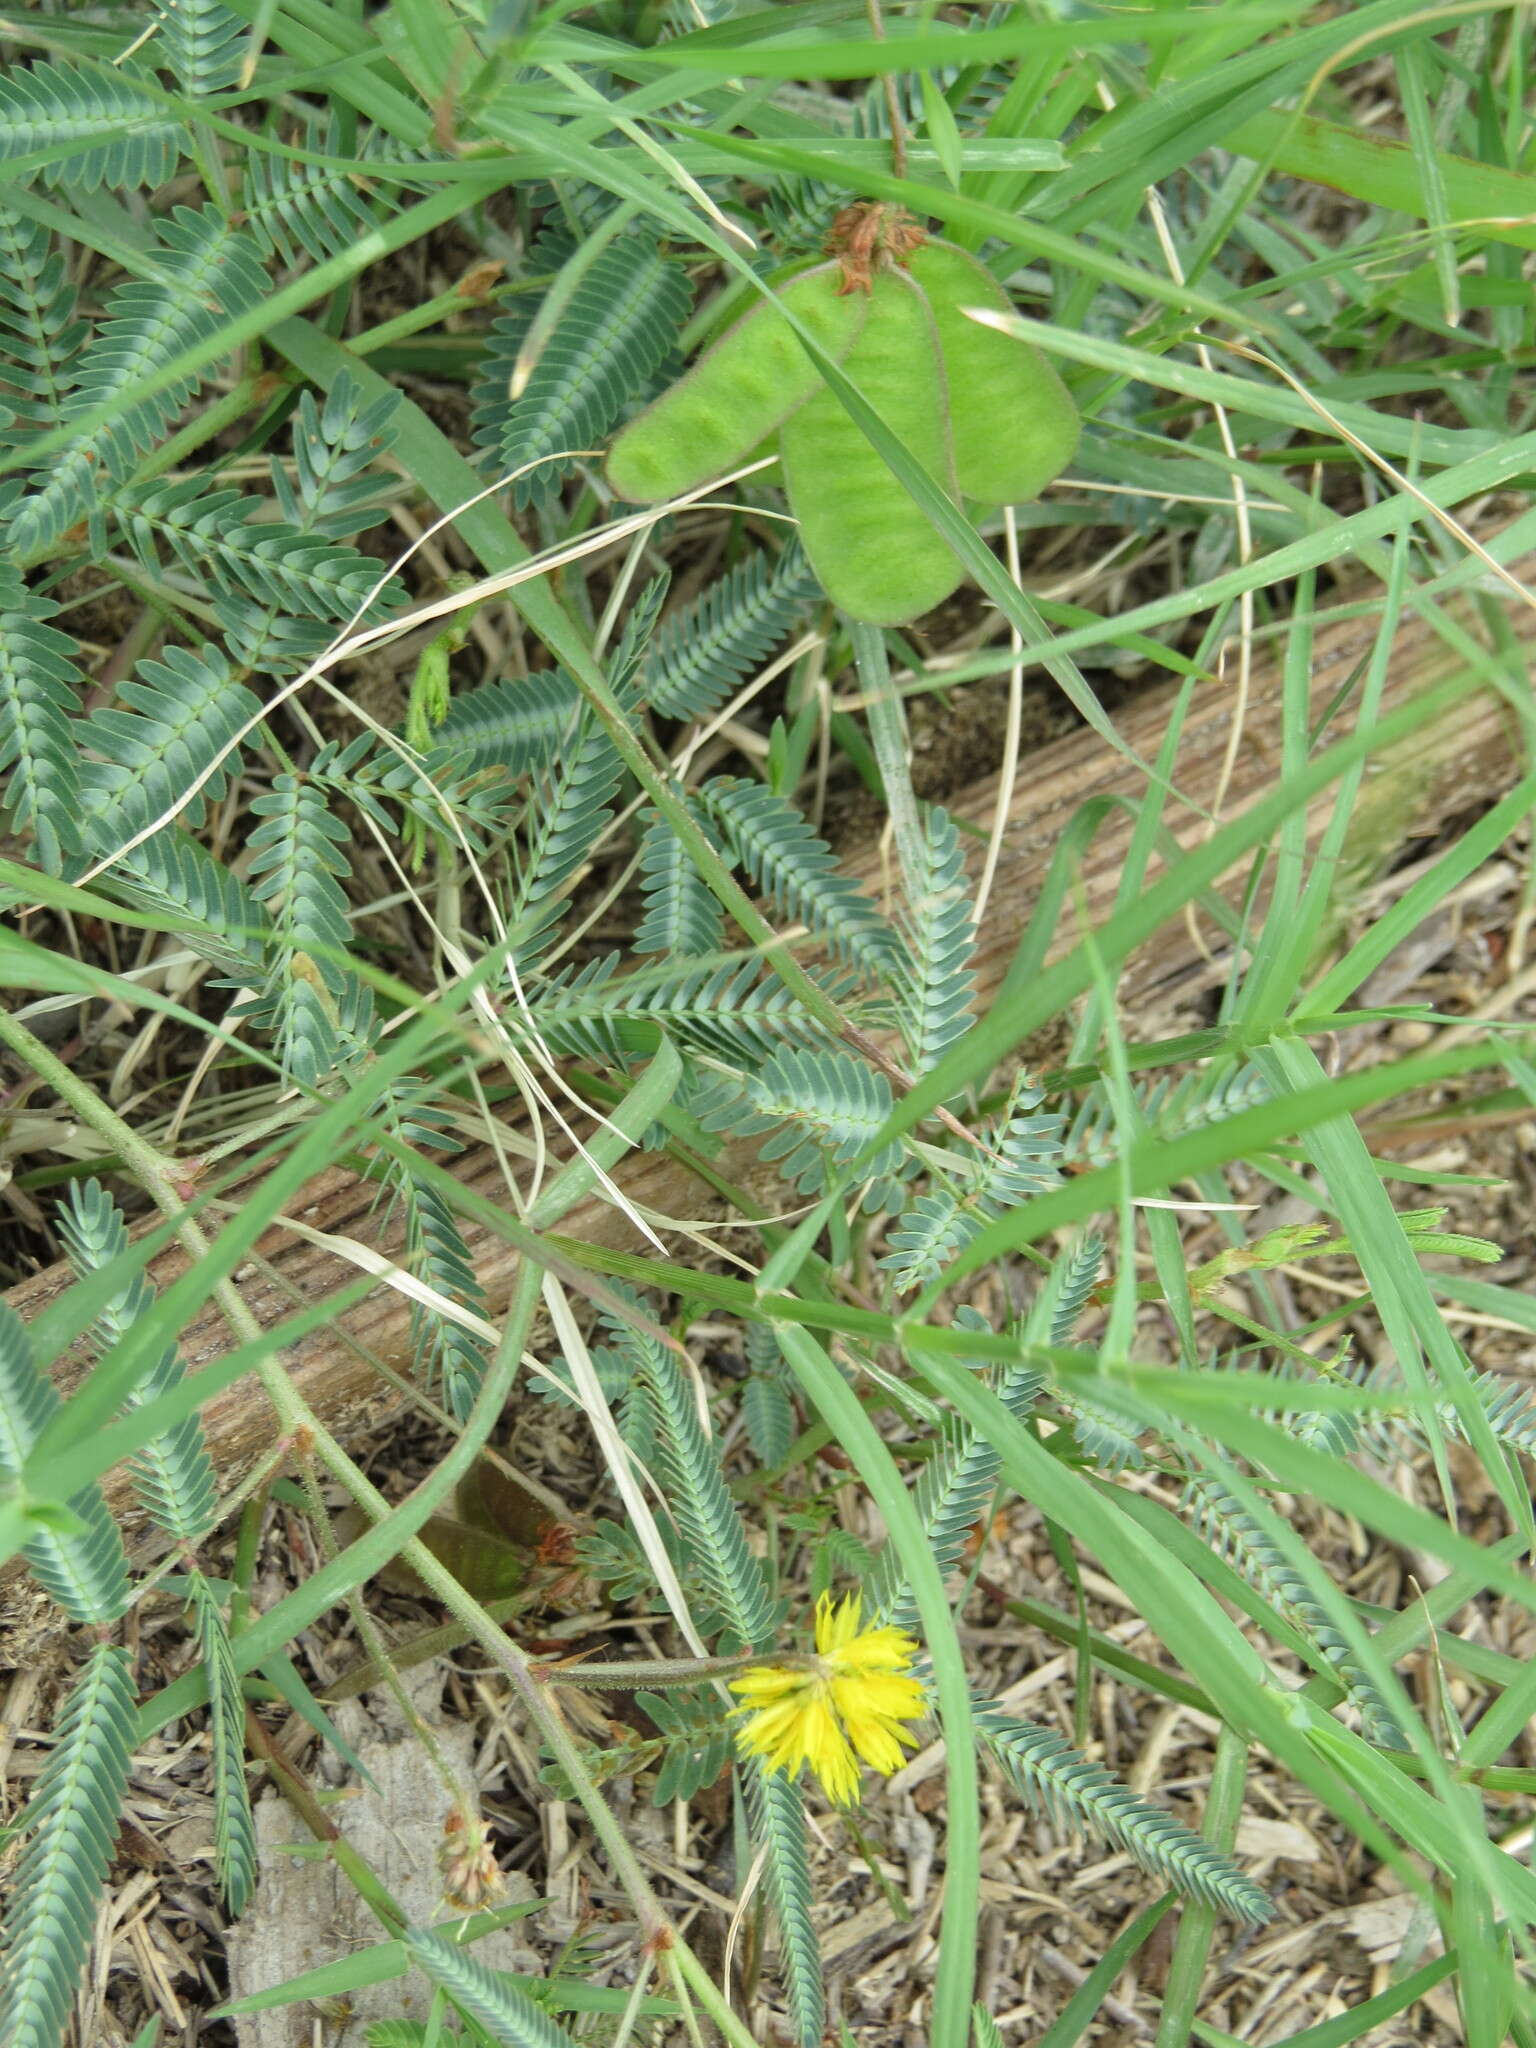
(297, 1419)
(893, 111)
(888, 731)
(371, 1636)
(291, 1782)
(669, 1670)
(685, 1968)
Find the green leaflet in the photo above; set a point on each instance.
(296, 209)
(38, 691)
(518, 725)
(787, 860)
(506, 2013)
(206, 271)
(234, 1828)
(80, 1561)
(73, 1817)
(776, 1817)
(619, 326)
(936, 983)
(1074, 1792)
(447, 1354)
(40, 330)
(175, 745)
(100, 125)
(682, 918)
(704, 652)
(703, 1509)
(173, 1473)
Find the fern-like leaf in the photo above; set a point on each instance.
(73, 1815)
(173, 1473)
(335, 448)
(205, 273)
(1017, 1158)
(1107, 1438)
(1074, 1275)
(446, 1352)
(234, 1829)
(39, 686)
(185, 711)
(203, 43)
(682, 921)
(1022, 1155)
(776, 1823)
(297, 869)
(214, 534)
(496, 2005)
(952, 1496)
(767, 1409)
(173, 875)
(106, 128)
(82, 1567)
(985, 2032)
(1170, 1108)
(700, 1501)
(1509, 1406)
(267, 639)
(695, 1748)
(571, 808)
(821, 1110)
(932, 1231)
(295, 209)
(1237, 1535)
(520, 724)
(768, 1417)
(373, 775)
(935, 988)
(730, 1012)
(297, 872)
(1073, 1792)
(40, 333)
(788, 862)
(702, 653)
(621, 321)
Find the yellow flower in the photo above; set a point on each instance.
(852, 1696)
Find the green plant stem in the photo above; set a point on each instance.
(888, 731)
(665, 1670)
(371, 1637)
(685, 1965)
(366, 1881)
(631, 2011)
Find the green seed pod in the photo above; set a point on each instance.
(868, 541)
(1012, 420)
(744, 298)
(737, 393)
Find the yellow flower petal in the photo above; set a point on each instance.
(765, 1683)
(828, 1754)
(836, 1623)
(878, 1649)
(899, 1699)
(878, 1741)
(846, 1705)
